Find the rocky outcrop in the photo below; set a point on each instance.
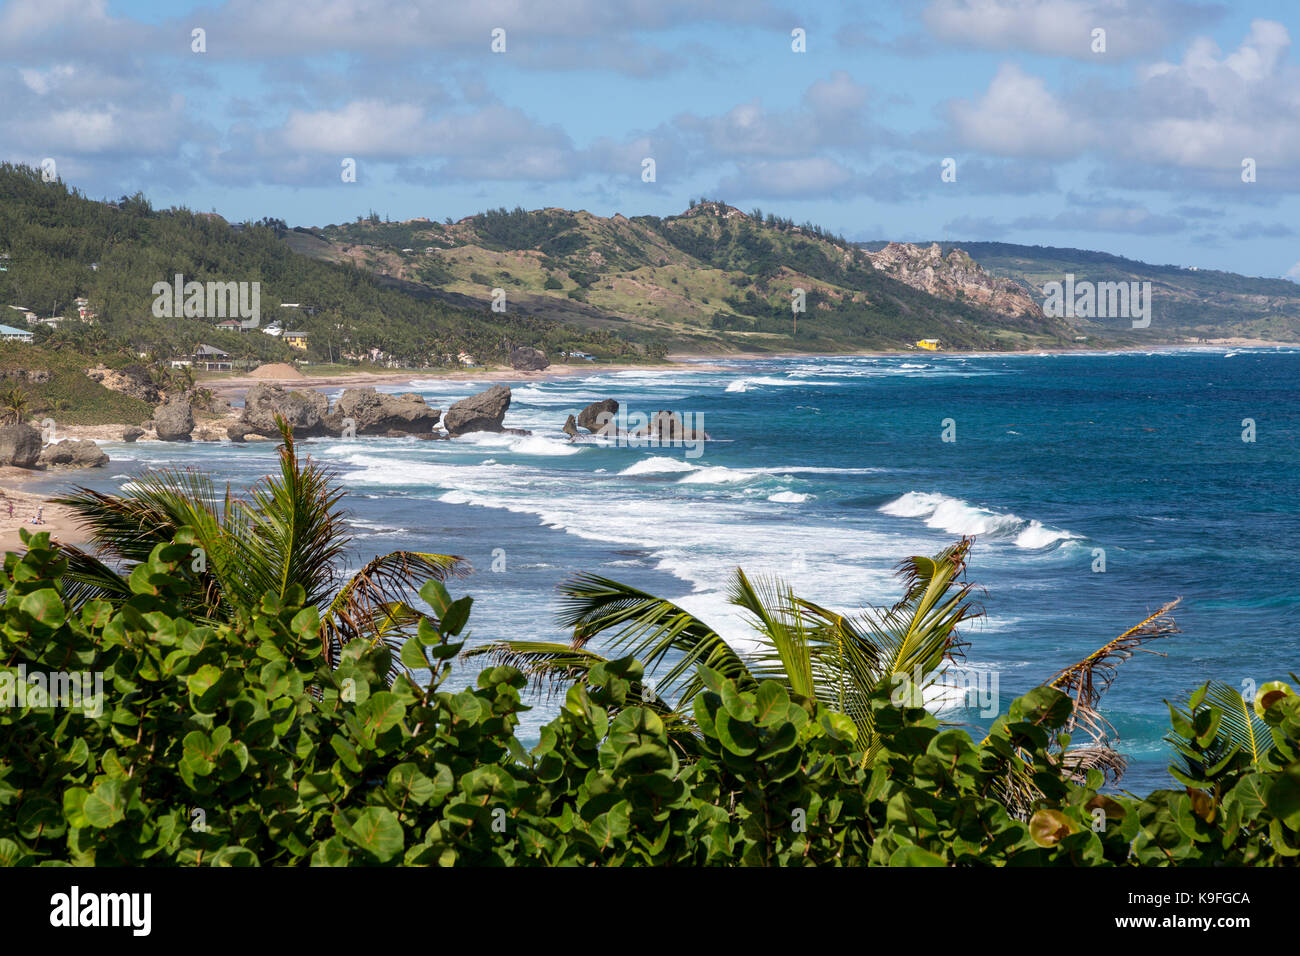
(174, 420)
(372, 413)
(131, 380)
(483, 412)
(599, 417)
(668, 426)
(208, 431)
(20, 446)
(29, 376)
(526, 359)
(571, 427)
(956, 277)
(73, 453)
(132, 433)
(305, 411)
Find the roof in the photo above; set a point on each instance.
(10, 330)
(209, 350)
(303, 334)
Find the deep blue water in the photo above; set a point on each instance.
(829, 470)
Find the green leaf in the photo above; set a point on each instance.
(377, 831)
(912, 855)
(45, 606)
(105, 805)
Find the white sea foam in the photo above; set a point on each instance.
(956, 516)
(657, 465)
(789, 497)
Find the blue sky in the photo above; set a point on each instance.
(1137, 149)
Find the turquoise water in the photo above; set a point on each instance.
(829, 470)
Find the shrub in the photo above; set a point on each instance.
(236, 744)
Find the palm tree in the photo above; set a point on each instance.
(814, 652)
(820, 654)
(13, 405)
(289, 531)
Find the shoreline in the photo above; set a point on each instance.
(58, 520)
(61, 524)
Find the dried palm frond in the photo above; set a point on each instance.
(1088, 679)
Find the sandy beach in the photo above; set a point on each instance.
(57, 520)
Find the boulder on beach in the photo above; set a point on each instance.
(599, 417)
(174, 420)
(304, 410)
(20, 446)
(73, 453)
(373, 413)
(132, 433)
(483, 412)
(525, 359)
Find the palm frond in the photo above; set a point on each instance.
(651, 629)
(1086, 680)
(548, 665)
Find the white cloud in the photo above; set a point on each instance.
(1064, 27)
(1019, 116)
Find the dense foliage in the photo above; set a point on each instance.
(61, 245)
(235, 743)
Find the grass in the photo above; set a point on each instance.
(69, 397)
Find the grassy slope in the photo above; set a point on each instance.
(710, 280)
(69, 397)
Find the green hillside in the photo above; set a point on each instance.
(711, 279)
(57, 245)
(1186, 302)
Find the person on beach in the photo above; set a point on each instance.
(40, 515)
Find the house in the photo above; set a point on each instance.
(297, 340)
(582, 355)
(231, 325)
(84, 311)
(28, 315)
(10, 334)
(273, 330)
(466, 359)
(930, 345)
(209, 359)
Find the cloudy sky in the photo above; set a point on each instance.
(1136, 150)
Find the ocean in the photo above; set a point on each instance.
(829, 470)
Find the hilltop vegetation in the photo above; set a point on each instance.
(711, 279)
(62, 245)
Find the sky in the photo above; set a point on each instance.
(1167, 131)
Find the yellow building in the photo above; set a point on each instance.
(297, 340)
(930, 345)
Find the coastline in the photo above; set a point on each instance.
(58, 521)
(61, 524)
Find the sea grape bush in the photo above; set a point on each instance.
(235, 744)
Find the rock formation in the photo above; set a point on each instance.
(20, 445)
(599, 417)
(527, 359)
(73, 453)
(483, 412)
(174, 420)
(305, 411)
(372, 413)
(131, 380)
(930, 271)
